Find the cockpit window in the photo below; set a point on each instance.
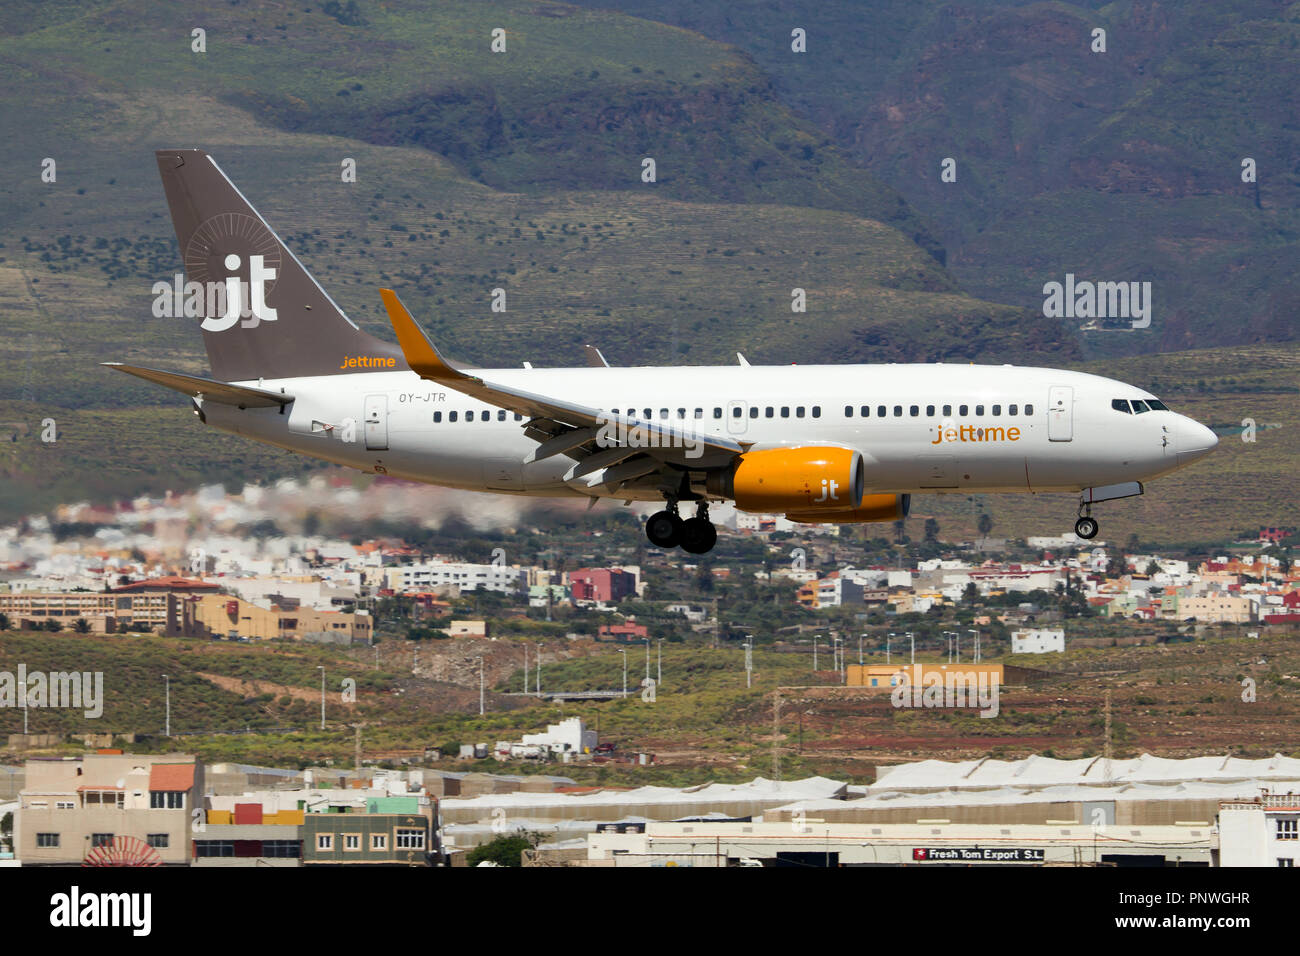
(1120, 405)
(1139, 406)
(1156, 405)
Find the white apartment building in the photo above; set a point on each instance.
(464, 577)
(1260, 832)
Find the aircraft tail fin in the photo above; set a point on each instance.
(264, 316)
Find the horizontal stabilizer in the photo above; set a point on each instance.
(208, 389)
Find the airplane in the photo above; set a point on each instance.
(817, 443)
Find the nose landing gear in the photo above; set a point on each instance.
(695, 535)
(1086, 527)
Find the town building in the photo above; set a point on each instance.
(602, 585)
(100, 808)
(233, 618)
(1038, 640)
(1264, 831)
(455, 578)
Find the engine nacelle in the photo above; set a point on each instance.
(810, 478)
(872, 508)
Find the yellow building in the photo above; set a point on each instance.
(885, 676)
(224, 615)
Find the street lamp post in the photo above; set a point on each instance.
(480, 686)
(322, 696)
(912, 637)
(167, 683)
(659, 671)
(815, 651)
(22, 692)
(623, 651)
(889, 640)
(977, 644)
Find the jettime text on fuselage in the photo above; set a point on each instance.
(955, 434)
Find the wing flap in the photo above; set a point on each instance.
(671, 441)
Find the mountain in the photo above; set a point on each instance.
(1123, 165)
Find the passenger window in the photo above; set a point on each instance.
(962, 410)
(898, 411)
(469, 416)
(866, 411)
(699, 413)
(785, 411)
(997, 409)
(451, 416)
(929, 411)
(663, 412)
(648, 414)
(848, 411)
(518, 417)
(798, 412)
(753, 411)
(1120, 405)
(437, 416)
(1011, 409)
(979, 409)
(681, 413)
(947, 411)
(1029, 409)
(769, 412)
(880, 411)
(737, 412)
(816, 411)
(501, 415)
(717, 411)
(914, 410)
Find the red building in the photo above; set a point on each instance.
(601, 584)
(628, 633)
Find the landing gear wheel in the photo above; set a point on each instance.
(664, 529)
(1086, 527)
(698, 536)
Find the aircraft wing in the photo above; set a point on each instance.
(568, 428)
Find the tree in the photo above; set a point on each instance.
(4, 622)
(985, 524)
(931, 529)
(505, 850)
(7, 828)
(53, 626)
(81, 626)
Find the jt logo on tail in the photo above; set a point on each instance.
(258, 275)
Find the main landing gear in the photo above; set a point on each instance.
(694, 535)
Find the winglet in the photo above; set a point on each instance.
(594, 357)
(421, 354)
(741, 359)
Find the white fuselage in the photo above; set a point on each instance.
(944, 428)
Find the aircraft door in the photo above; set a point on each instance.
(377, 422)
(1060, 413)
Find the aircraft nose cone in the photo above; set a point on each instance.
(1194, 440)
